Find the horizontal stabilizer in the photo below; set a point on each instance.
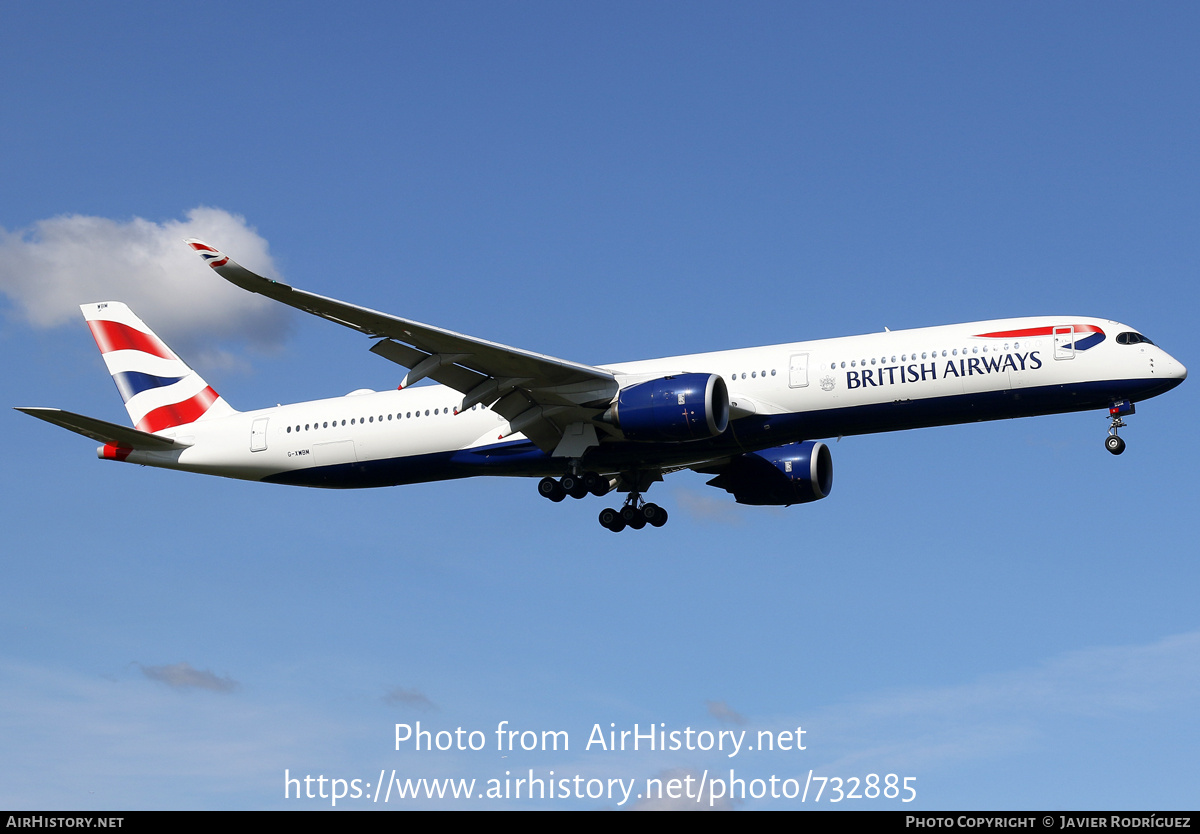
(105, 432)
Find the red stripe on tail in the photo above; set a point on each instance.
(188, 411)
(112, 335)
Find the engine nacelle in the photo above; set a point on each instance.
(794, 474)
(674, 408)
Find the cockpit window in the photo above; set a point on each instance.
(1130, 338)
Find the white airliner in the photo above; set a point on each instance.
(751, 417)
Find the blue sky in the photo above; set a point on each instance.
(1003, 611)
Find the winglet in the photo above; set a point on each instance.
(235, 273)
(213, 256)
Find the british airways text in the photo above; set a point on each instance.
(900, 374)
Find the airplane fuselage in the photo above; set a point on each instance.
(778, 394)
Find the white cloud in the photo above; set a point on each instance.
(184, 676)
(723, 712)
(409, 698)
(54, 265)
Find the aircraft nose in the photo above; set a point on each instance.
(1175, 369)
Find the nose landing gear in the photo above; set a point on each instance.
(1116, 411)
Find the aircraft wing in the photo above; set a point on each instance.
(103, 431)
(545, 398)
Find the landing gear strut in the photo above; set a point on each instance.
(1116, 411)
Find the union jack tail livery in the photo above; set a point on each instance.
(160, 391)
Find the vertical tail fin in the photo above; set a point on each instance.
(160, 391)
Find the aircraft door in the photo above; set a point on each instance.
(258, 434)
(798, 370)
(1064, 342)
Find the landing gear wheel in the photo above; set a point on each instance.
(655, 515)
(1114, 444)
(610, 519)
(552, 489)
(594, 484)
(573, 486)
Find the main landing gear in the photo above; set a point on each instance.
(1116, 411)
(576, 486)
(636, 513)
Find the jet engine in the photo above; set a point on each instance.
(793, 474)
(673, 408)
